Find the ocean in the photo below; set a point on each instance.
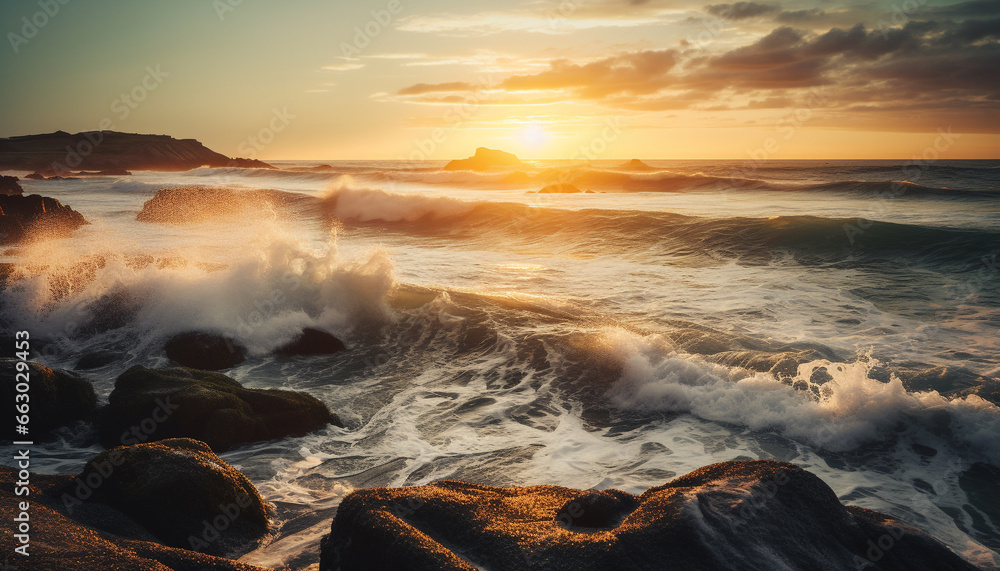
(841, 315)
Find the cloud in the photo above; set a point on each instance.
(927, 67)
(422, 88)
(740, 10)
(347, 66)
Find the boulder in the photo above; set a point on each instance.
(35, 217)
(58, 541)
(189, 204)
(9, 186)
(484, 160)
(559, 188)
(56, 397)
(312, 342)
(733, 515)
(172, 488)
(178, 402)
(203, 350)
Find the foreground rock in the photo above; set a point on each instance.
(178, 402)
(733, 515)
(199, 203)
(559, 188)
(203, 350)
(76, 526)
(484, 160)
(312, 342)
(56, 397)
(110, 151)
(172, 488)
(10, 187)
(24, 218)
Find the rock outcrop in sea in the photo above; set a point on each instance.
(24, 218)
(178, 402)
(484, 160)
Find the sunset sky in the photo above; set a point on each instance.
(437, 78)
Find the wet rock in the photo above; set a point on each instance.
(203, 350)
(178, 402)
(32, 217)
(312, 342)
(733, 515)
(182, 493)
(57, 397)
(60, 541)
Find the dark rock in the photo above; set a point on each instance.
(559, 188)
(95, 360)
(10, 186)
(35, 176)
(56, 397)
(172, 487)
(202, 350)
(32, 217)
(111, 151)
(177, 402)
(484, 160)
(733, 515)
(58, 541)
(312, 342)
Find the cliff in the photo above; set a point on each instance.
(60, 152)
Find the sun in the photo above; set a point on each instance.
(534, 135)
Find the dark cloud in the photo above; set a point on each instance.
(800, 16)
(740, 10)
(922, 66)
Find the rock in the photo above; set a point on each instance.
(734, 515)
(35, 176)
(56, 397)
(105, 172)
(312, 342)
(60, 542)
(178, 402)
(484, 159)
(95, 360)
(202, 350)
(31, 217)
(111, 151)
(559, 188)
(10, 186)
(200, 203)
(635, 164)
(172, 487)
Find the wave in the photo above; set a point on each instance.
(841, 410)
(811, 239)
